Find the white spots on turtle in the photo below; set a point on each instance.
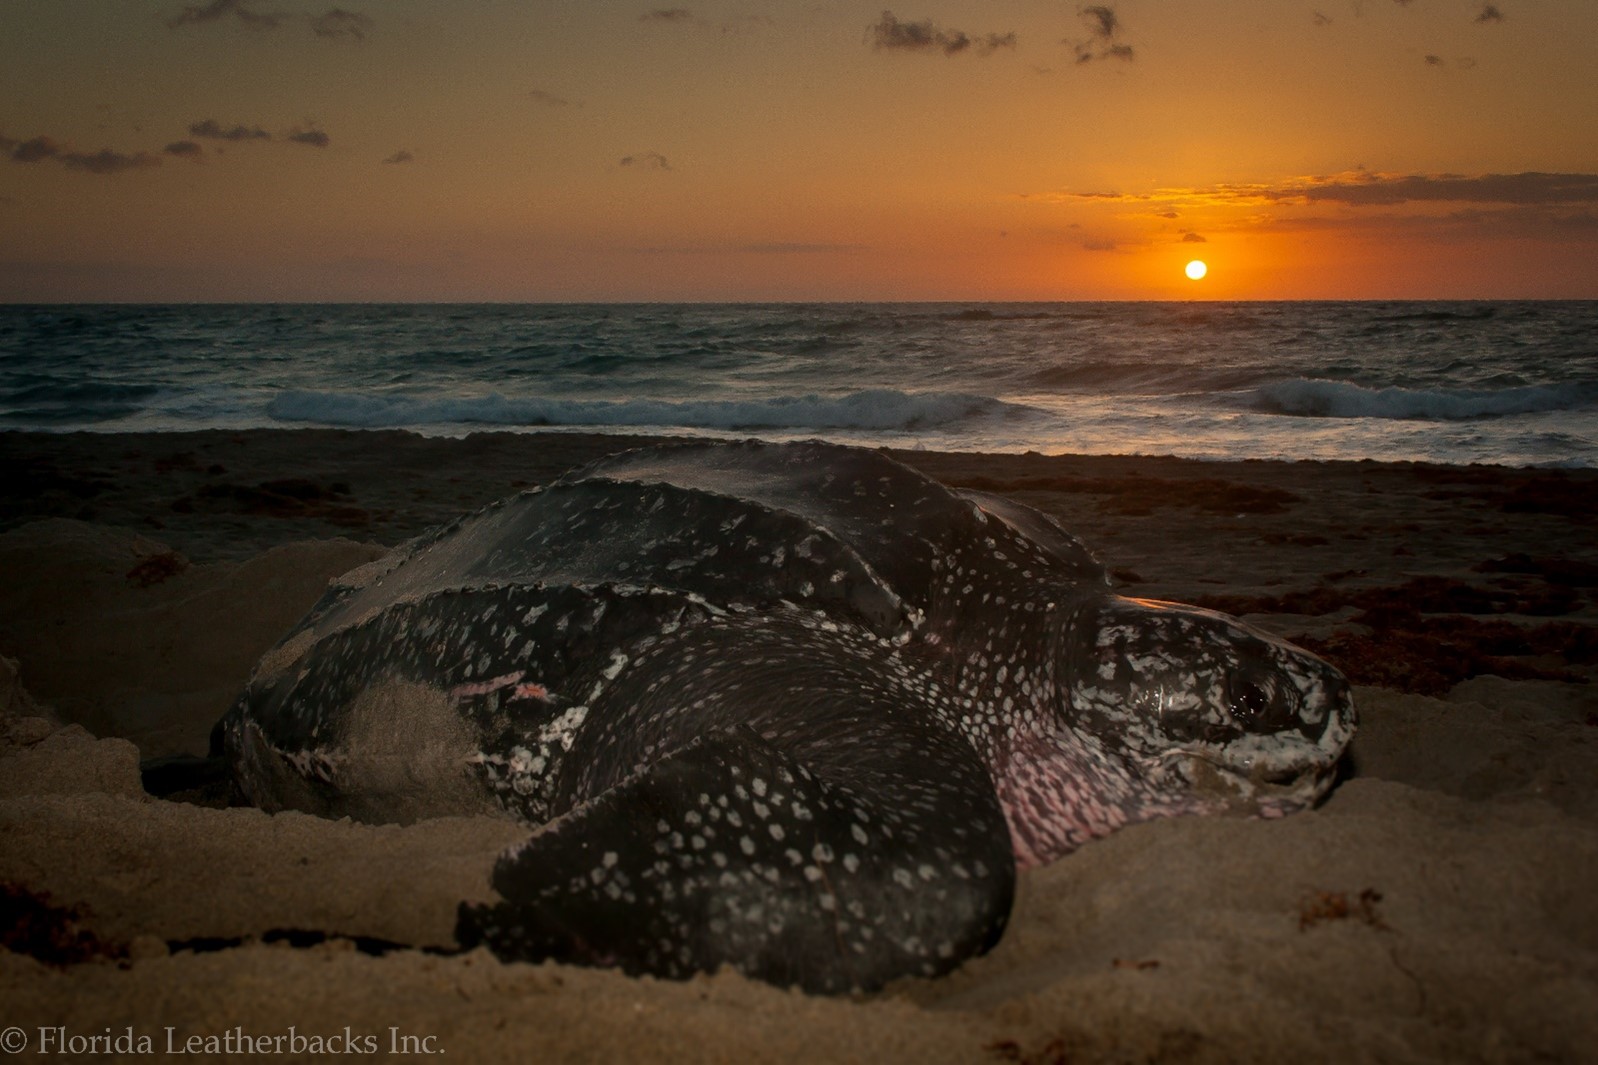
(903, 878)
(813, 873)
(851, 862)
(859, 834)
(793, 856)
(777, 832)
(618, 662)
(746, 845)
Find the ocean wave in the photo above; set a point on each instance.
(876, 409)
(1464, 314)
(66, 402)
(1315, 398)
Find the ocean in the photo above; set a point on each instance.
(1507, 383)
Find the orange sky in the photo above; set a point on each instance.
(596, 150)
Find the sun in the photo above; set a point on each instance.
(1196, 269)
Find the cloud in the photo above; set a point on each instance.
(216, 10)
(646, 161)
(211, 129)
(1362, 189)
(105, 161)
(667, 14)
(1490, 13)
(339, 23)
(1103, 41)
(890, 34)
(33, 150)
(336, 24)
(401, 156)
(549, 99)
(782, 247)
(184, 149)
(313, 137)
(1193, 238)
(1434, 61)
(774, 247)
(1319, 19)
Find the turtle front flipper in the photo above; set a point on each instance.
(733, 852)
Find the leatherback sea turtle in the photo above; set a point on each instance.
(796, 708)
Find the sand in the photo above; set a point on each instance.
(1442, 905)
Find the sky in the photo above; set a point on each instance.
(577, 150)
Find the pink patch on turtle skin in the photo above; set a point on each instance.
(484, 687)
(530, 690)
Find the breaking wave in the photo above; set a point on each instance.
(1312, 398)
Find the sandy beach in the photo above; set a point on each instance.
(1439, 906)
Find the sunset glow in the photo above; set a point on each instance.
(1196, 270)
(426, 150)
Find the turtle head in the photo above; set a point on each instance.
(1201, 703)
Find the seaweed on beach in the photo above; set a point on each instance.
(1429, 655)
(1567, 571)
(157, 568)
(1553, 492)
(1321, 906)
(292, 497)
(1418, 595)
(1430, 633)
(30, 925)
(1137, 495)
(37, 487)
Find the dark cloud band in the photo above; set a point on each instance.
(889, 33)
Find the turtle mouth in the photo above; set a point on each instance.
(1271, 790)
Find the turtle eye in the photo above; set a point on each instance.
(1250, 702)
